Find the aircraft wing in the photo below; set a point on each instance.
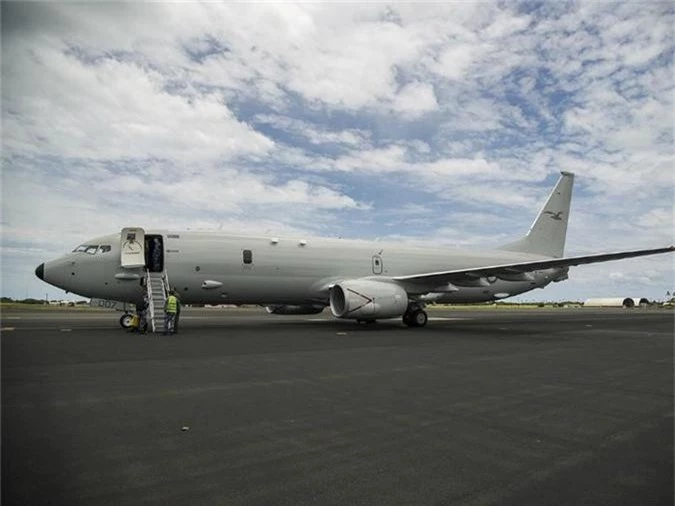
(522, 267)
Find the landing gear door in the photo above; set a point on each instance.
(132, 247)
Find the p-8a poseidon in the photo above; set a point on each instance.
(359, 280)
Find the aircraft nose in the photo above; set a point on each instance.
(40, 271)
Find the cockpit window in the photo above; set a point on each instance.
(92, 249)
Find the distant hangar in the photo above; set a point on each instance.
(627, 302)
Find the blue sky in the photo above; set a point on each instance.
(430, 123)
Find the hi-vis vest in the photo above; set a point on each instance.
(171, 303)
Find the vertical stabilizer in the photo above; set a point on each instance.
(547, 233)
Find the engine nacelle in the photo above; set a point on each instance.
(286, 309)
(365, 299)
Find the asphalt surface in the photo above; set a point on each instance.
(564, 407)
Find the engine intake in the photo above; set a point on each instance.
(364, 299)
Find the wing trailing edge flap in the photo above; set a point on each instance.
(462, 276)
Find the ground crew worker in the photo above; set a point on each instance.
(177, 319)
(142, 312)
(170, 308)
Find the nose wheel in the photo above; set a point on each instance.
(125, 320)
(415, 316)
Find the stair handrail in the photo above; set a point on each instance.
(165, 282)
(151, 305)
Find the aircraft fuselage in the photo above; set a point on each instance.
(217, 268)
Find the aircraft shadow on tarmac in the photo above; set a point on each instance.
(444, 329)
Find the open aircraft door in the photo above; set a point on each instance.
(132, 247)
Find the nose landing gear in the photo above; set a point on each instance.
(126, 320)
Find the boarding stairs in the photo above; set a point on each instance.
(157, 285)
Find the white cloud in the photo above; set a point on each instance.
(378, 160)
(661, 218)
(507, 25)
(415, 99)
(455, 61)
(315, 134)
(43, 209)
(332, 117)
(117, 110)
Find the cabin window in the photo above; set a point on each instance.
(248, 256)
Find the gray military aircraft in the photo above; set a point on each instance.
(359, 280)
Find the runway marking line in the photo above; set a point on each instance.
(7, 329)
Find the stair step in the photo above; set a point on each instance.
(155, 282)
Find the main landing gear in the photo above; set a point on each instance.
(415, 316)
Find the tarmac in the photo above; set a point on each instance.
(512, 407)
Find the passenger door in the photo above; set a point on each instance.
(132, 247)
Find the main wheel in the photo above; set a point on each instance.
(419, 318)
(125, 320)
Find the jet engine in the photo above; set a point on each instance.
(286, 309)
(365, 299)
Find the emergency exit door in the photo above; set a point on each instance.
(377, 264)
